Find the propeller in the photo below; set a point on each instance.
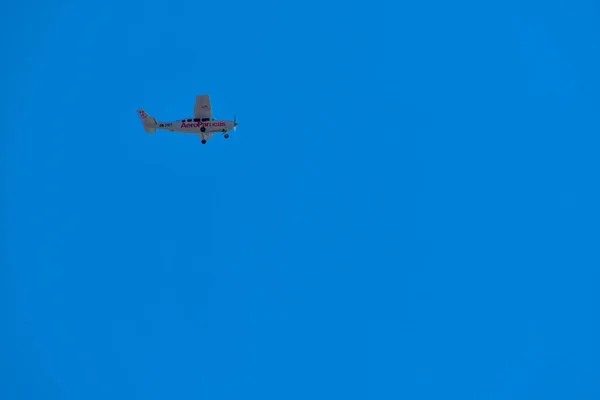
(235, 124)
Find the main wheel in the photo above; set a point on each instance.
(203, 141)
(226, 136)
(203, 129)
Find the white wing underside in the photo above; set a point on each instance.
(203, 109)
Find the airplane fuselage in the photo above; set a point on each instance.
(196, 126)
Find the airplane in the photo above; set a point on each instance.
(202, 124)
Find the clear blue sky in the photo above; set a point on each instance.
(408, 209)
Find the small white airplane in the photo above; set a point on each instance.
(202, 124)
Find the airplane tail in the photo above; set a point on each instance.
(148, 121)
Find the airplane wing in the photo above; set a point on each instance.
(203, 108)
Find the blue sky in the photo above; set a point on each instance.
(408, 209)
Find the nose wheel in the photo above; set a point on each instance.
(227, 136)
(203, 141)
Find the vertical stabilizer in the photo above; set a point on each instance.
(148, 121)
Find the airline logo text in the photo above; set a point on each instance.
(199, 124)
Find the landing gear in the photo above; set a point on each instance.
(203, 141)
(227, 136)
(203, 129)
